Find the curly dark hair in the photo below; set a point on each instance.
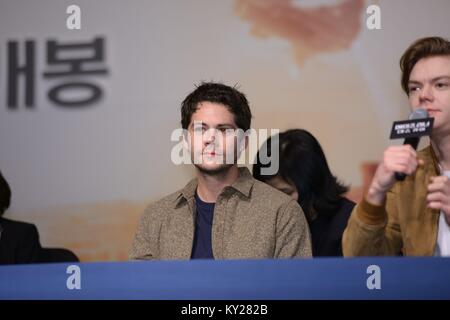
(228, 96)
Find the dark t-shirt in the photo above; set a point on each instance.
(202, 247)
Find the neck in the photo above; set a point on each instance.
(441, 146)
(211, 185)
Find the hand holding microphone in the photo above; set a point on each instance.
(413, 140)
(399, 161)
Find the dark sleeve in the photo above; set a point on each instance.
(29, 246)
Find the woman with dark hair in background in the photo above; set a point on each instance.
(304, 175)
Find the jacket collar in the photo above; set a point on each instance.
(243, 185)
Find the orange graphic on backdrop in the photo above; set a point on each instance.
(310, 30)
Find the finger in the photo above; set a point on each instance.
(402, 157)
(411, 151)
(400, 160)
(406, 153)
(435, 205)
(402, 148)
(443, 179)
(409, 164)
(436, 186)
(402, 168)
(400, 151)
(398, 148)
(435, 196)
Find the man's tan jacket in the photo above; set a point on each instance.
(251, 220)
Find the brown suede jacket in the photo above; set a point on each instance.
(404, 225)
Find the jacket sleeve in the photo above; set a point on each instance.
(373, 230)
(29, 246)
(145, 243)
(292, 233)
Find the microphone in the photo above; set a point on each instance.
(414, 140)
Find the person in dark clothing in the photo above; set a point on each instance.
(303, 173)
(19, 241)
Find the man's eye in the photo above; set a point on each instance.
(414, 88)
(198, 129)
(442, 85)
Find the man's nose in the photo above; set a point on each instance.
(426, 94)
(209, 136)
